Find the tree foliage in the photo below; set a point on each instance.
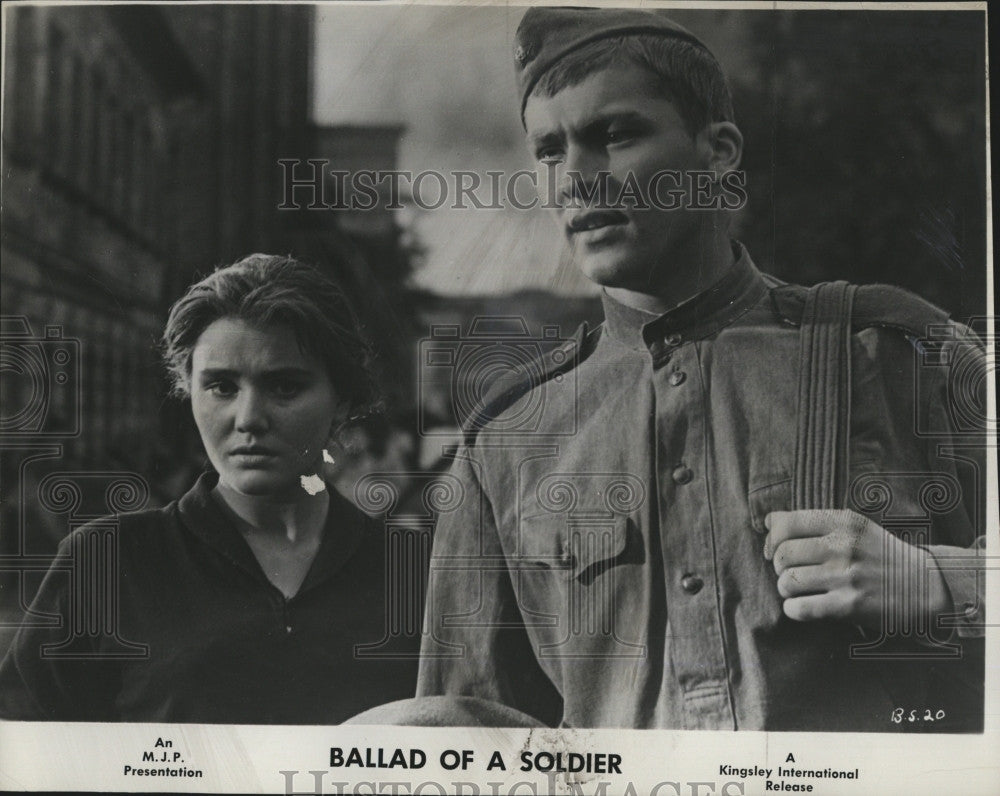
(865, 150)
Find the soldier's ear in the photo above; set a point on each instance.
(722, 143)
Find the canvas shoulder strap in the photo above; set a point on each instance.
(824, 401)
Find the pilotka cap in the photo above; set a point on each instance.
(546, 34)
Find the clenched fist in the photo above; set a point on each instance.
(838, 564)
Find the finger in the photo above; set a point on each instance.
(809, 608)
(801, 552)
(797, 581)
(801, 524)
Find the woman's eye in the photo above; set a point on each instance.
(286, 389)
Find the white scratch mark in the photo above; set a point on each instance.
(312, 484)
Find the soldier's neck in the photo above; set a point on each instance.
(684, 273)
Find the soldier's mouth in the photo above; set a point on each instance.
(595, 219)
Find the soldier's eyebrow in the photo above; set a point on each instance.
(607, 118)
(537, 141)
(590, 125)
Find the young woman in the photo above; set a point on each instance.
(260, 596)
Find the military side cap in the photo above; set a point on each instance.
(546, 34)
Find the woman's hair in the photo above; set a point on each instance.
(265, 290)
(686, 74)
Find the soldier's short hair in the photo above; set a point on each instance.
(271, 290)
(685, 73)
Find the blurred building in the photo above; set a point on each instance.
(139, 146)
(360, 237)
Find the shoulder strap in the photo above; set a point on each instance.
(883, 306)
(821, 445)
(509, 388)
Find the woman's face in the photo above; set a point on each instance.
(265, 409)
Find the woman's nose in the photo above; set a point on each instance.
(251, 412)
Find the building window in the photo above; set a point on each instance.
(55, 97)
(127, 168)
(108, 132)
(75, 147)
(94, 170)
(21, 77)
(116, 123)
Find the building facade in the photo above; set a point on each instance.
(140, 148)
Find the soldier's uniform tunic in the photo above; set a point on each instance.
(606, 568)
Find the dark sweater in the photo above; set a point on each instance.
(201, 634)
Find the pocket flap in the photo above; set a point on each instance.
(578, 548)
(774, 496)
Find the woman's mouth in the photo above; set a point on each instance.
(250, 455)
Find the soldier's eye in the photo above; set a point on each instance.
(221, 388)
(620, 135)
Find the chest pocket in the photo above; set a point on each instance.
(572, 549)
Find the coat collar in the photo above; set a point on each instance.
(740, 288)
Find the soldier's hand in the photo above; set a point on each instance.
(838, 564)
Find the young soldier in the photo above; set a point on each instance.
(701, 529)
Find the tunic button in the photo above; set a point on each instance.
(692, 584)
(672, 339)
(682, 475)
(288, 628)
(677, 378)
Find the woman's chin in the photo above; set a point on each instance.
(262, 484)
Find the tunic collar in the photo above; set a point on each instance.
(740, 288)
(343, 533)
